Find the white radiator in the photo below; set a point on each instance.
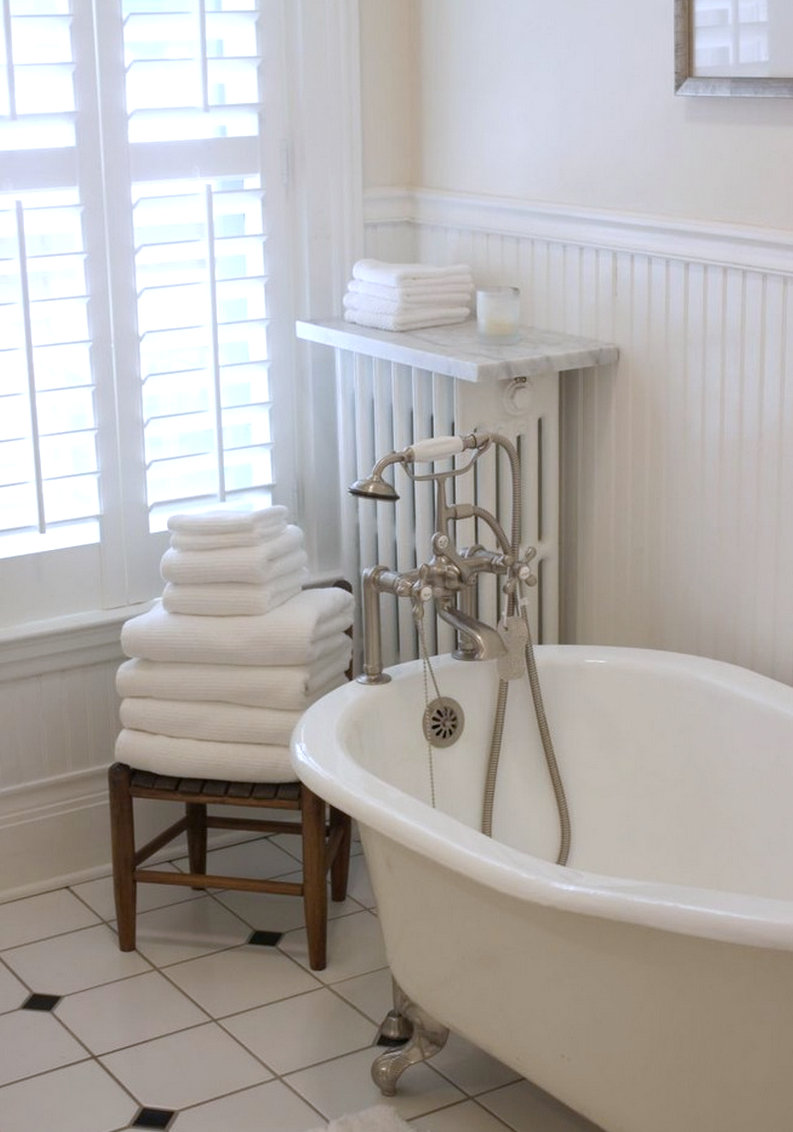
(384, 406)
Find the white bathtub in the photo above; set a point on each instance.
(649, 985)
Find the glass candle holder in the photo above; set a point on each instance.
(497, 313)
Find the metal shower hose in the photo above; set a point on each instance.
(536, 693)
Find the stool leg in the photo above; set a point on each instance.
(315, 893)
(196, 814)
(122, 834)
(340, 869)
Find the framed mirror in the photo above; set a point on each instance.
(734, 47)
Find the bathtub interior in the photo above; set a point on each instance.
(675, 772)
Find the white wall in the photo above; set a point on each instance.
(572, 102)
(554, 154)
(390, 91)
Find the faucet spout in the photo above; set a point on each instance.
(488, 645)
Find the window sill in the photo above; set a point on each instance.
(76, 641)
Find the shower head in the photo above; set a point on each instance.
(373, 487)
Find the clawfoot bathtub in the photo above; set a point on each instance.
(649, 984)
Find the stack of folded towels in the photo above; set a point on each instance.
(223, 665)
(407, 296)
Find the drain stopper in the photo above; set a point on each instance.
(443, 721)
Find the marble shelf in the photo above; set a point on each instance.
(458, 352)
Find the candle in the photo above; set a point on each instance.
(497, 313)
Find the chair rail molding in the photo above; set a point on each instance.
(698, 241)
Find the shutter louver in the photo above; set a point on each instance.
(192, 75)
(49, 490)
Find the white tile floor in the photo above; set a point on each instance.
(200, 1031)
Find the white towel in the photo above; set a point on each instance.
(253, 564)
(234, 599)
(408, 322)
(418, 292)
(380, 1118)
(229, 520)
(300, 631)
(394, 274)
(292, 688)
(224, 540)
(223, 723)
(204, 758)
(376, 305)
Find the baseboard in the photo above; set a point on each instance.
(53, 830)
(57, 832)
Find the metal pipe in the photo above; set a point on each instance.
(372, 639)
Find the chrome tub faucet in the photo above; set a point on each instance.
(449, 576)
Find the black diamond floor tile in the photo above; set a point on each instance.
(153, 1118)
(264, 939)
(41, 1002)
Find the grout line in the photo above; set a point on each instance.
(210, 1019)
(55, 935)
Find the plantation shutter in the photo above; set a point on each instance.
(49, 492)
(136, 280)
(193, 114)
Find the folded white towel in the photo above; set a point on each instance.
(223, 541)
(408, 322)
(291, 688)
(380, 1118)
(298, 632)
(253, 564)
(378, 271)
(235, 599)
(204, 758)
(376, 305)
(227, 520)
(225, 723)
(419, 292)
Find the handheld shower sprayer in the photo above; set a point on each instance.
(426, 451)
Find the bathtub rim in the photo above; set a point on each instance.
(728, 917)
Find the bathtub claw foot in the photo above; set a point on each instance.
(395, 1030)
(426, 1038)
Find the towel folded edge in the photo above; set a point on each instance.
(399, 323)
(381, 271)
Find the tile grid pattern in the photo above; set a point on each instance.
(203, 1027)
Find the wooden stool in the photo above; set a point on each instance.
(326, 844)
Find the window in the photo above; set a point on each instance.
(139, 353)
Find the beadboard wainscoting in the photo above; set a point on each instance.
(60, 719)
(59, 709)
(677, 464)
